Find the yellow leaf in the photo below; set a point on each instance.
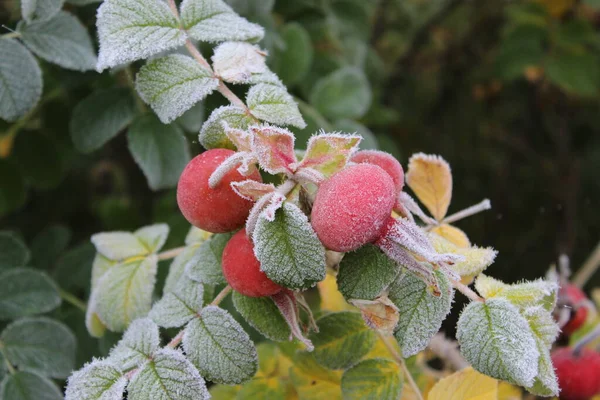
(452, 234)
(312, 381)
(331, 298)
(506, 391)
(430, 178)
(477, 259)
(466, 384)
(380, 350)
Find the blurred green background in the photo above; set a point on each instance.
(507, 91)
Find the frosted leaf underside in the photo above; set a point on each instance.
(153, 236)
(263, 315)
(118, 245)
(274, 104)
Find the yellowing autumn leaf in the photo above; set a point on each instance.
(452, 234)
(312, 381)
(331, 298)
(466, 384)
(506, 391)
(476, 260)
(430, 178)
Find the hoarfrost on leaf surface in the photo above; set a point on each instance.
(118, 245)
(169, 375)
(220, 349)
(153, 236)
(237, 62)
(497, 341)
(98, 380)
(205, 264)
(214, 21)
(275, 105)
(263, 315)
(130, 30)
(138, 344)
(173, 84)
(288, 248)
(212, 134)
(180, 305)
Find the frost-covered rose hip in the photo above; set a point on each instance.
(353, 207)
(242, 270)
(215, 210)
(384, 160)
(578, 376)
(576, 298)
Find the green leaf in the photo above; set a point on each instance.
(61, 40)
(99, 380)
(342, 340)
(20, 80)
(180, 305)
(421, 313)
(73, 269)
(205, 264)
(497, 341)
(288, 248)
(13, 252)
(172, 85)
(545, 331)
(48, 245)
(546, 382)
(523, 295)
(274, 104)
(297, 51)
(153, 237)
(40, 160)
(40, 9)
(344, 93)
(373, 379)
(177, 268)
(313, 381)
(213, 135)
(40, 345)
(130, 30)
(574, 73)
(138, 344)
(263, 315)
(28, 386)
(25, 291)
(118, 246)
(124, 292)
(193, 119)
(214, 21)
(100, 117)
(365, 273)
(161, 151)
(218, 346)
(168, 375)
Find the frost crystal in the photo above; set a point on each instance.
(212, 134)
(173, 84)
(498, 341)
(220, 349)
(179, 306)
(274, 148)
(138, 344)
(214, 21)
(169, 375)
(476, 259)
(118, 246)
(523, 295)
(98, 380)
(205, 265)
(130, 30)
(274, 104)
(236, 62)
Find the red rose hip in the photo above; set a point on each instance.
(353, 207)
(578, 376)
(215, 210)
(242, 270)
(384, 160)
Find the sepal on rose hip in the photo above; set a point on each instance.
(287, 304)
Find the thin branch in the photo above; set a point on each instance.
(11, 35)
(464, 289)
(176, 340)
(588, 269)
(467, 212)
(173, 7)
(72, 299)
(400, 361)
(194, 52)
(236, 101)
(165, 255)
(587, 339)
(226, 290)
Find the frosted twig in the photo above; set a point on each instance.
(230, 163)
(467, 212)
(589, 267)
(176, 340)
(400, 361)
(222, 294)
(165, 255)
(464, 289)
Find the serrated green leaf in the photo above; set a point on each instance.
(100, 266)
(213, 135)
(40, 9)
(169, 375)
(138, 344)
(546, 383)
(263, 315)
(339, 332)
(218, 346)
(373, 379)
(177, 268)
(421, 313)
(100, 117)
(13, 252)
(497, 341)
(153, 236)
(311, 380)
(61, 40)
(205, 264)
(161, 151)
(542, 325)
(180, 305)
(274, 104)
(477, 259)
(99, 380)
(345, 93)
(297, 51)
(171, 85)
(117, 246)
(288, 248)
(130, 30)
(545, 331)
(214, 21)
(25, 291)
(40, 345)
(28, 386)
(48, 245)
(20, 80)
(523, 295)
(124, 293)
(365, 273)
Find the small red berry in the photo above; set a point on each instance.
(353, 207)
(215, 210)
(575, 297)
(384, 160)
(242, 270)
(578, 377)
